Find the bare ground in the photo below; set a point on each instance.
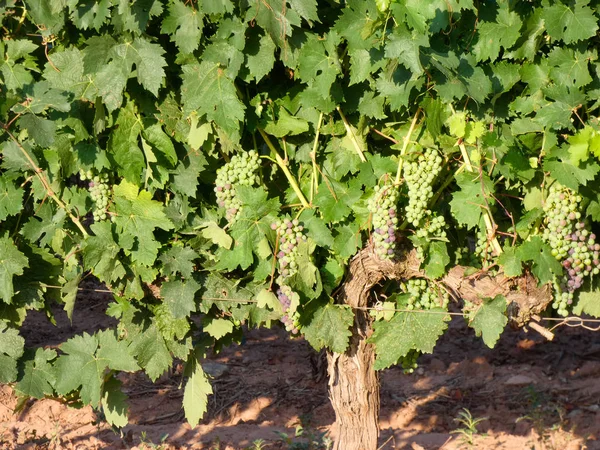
(530, 393)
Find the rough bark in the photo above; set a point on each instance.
(353, 383)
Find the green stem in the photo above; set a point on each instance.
(314, 185)
(283, 166)
(42, 177)
(405, 145)
(361, 155)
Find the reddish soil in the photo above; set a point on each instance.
(530, 393)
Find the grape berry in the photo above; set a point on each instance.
(99, 192)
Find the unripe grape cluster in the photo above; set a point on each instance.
(420, 176)
(483, 248)
(572, 243)
(408, 362)
(382, 205)
(433, 228)
(424, 294)
(289, 318)
(290, 234)
(241, 170)
(99, 188)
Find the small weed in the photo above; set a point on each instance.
(305, 438)
(146, 443)
(468, 430)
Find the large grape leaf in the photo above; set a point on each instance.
(101, 253)
(11, 197)
(503, 32)
(38, 376)
(330, 328)
(184, 24)
(569, 22)
(588, 303)
(468, 203)
(415, 330)
(84, 360)
(195, 395)
(545, 266)
(179, 296)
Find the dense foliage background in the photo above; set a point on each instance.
(116, 115)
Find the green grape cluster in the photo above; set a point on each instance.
(424, 294)
(572, 243)
(483, 249)
(420, 176)
(241, 170)
(99, 188)
(382, 205)
(433, 228)
(408, 362)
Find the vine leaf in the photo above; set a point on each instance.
(84, 361)
(545, 266)
(437, 259)
(218, 328)
(330, 327)
(467, 204)
(195, 395)
(38, 374)
(493, 36)
(415, 330)
(588, 303)
(179, 296)
(570, 23)
(184, 25)
(208, 89)
(178, 259)
(12, 262)
(114, 403)
(11, 198)
(100, 253)
(511, 262)
(151, 352)
(11, 349)
(488, 319)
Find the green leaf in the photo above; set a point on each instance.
(511, 262)
(416, 330)
(11, 197)
(111, 81)
(488, 319)
(208, 89)
(178, 259)
(404, 45)
(318, 63)
(195, 395)
(570, 23)
(114, 403)
(218, 328)
(12, 262)
(179, 296)
(260, 56)
(335, 200)
(286, 125)
(185, 26)
(101, 253)
(137, 218)
(151, 352)
(330, 328)
(588, 303)
(545, 266)
(42, 131)
(84, 360)
(38, 374)
(569, 175)
(437, 259)
(91, 14)
(155, 135)
(124, 144)
(44, 225)
(503, 32)
(149, 64)
(11, 349)
(468, 203)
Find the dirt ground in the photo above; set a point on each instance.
(529, 394)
